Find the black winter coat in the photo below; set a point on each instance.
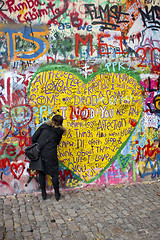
(49, 151)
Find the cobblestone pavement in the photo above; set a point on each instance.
(129, 212)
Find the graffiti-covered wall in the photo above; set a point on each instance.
(97, 63)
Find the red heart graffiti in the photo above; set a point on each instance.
(17, 170)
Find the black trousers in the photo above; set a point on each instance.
(55, 180)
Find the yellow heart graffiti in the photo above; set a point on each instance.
(99, 113)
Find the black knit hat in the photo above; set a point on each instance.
(58, 119)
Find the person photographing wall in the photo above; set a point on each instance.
(52, 130)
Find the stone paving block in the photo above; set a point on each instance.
(99, 236)
(91, 216)
(59, 221)
(84, 228)
(67, 238)
(9, 234)
(71, 213)
(36, 232)
(29, 238)
(62, 226)
(43, 230)
(106, 233)
(93, 229)
(17, 224)
(24, 221)
(31, 217)
(26, 228)
(108, 218)
(90, 236)
(41, 224)
(52, 226)
(19, 238)
(73, 227)
(99, 225)
(66, 231)
(79, 235)
(47, 237)
(27, 234)
(57, 233)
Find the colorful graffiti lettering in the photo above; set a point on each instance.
(31, 35)
(97, 64)
(108, 13)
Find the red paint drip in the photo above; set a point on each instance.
(138, 35)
